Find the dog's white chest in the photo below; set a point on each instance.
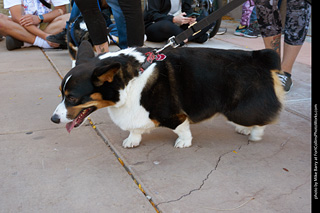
(128, 113)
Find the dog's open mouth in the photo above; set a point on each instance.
(80, 118)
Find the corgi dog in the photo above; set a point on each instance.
(178, 87)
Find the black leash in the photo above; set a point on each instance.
(45, 3)
(195, 28)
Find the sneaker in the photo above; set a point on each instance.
(222, 31)
(286, 81)
(60, 38)
(245, 31)
(255, 28)
(12, 43)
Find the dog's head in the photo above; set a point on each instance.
(94, 83)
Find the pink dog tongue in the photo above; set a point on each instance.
(70, 125)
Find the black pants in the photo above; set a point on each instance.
(96, 24)
(94, 20)
(162, 30)
(132, 12)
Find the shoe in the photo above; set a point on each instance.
(245, 31)
(255, 28)
(202, 39)
(12, 43)
(286, 81)
(222, 31)
(60, 38)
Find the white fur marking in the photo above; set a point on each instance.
(73, 63)
(257, 133)
(184, 133)
(61, 111)
(129, 51)
(243, 129)
(83, 26)
(128, 113)
(133, 140)
(65, 83)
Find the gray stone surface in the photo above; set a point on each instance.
(45, 169)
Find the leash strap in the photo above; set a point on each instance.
(45, 3)
(194, 29)
(198, 26)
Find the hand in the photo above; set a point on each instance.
(181, 19)
(192, 20)
(28, 20)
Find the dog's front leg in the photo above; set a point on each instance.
(184, 133)
(134, 139)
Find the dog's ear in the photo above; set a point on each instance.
(85, 52)
(105, 74)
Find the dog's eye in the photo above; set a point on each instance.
(72, 99)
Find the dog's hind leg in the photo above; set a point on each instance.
(244, 130)
(184, 133)
(134, 139)
(257, 133)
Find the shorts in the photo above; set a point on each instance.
(297, 20)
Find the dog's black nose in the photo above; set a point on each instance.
(55, 119)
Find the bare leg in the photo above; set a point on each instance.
(273, 42)
(57, 25)
(11, 28)
(102, 48)
(290, 54)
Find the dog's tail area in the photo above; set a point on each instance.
(270, 60)
(278, 88)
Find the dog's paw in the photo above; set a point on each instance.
(183, 143)
(255, 138)
(132, 141)
(243, 130)
(257, 133)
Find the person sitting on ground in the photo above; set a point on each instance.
(167, 18)
(31, 22)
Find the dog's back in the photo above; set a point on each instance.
(200, 82)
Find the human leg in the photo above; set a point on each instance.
(296, 28)
(10, 28)
(57, 25)
(162, 30)
(247, 9)
(269, 20)
(120, 22)
(134, 21)
(96, 24)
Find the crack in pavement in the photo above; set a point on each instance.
(201, 185)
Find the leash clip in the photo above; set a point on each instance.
(171, 42)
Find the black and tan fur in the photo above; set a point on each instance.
(189, 86)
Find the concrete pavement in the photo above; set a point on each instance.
(45, 169)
